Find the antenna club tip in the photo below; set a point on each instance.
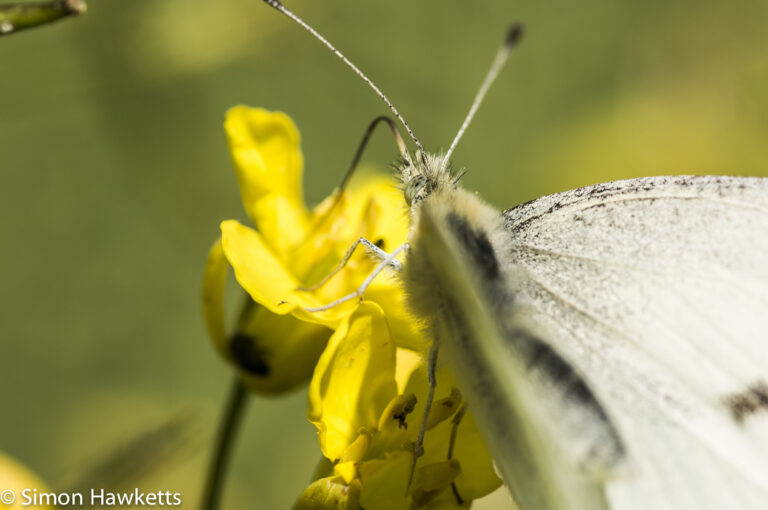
(514, 34)
(273, 3)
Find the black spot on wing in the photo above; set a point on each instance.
(561, 383)
(544, 363)
(539, 357)
(748, 402)
(476, 244)
(247, 354)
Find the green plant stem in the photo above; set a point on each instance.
(20, 16)
(227, 432)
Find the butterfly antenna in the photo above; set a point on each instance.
(514, 34)
(280, 7)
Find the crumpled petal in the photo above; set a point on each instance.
(353, 381)
(269, 165)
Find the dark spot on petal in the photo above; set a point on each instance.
(247, 354)
(380, 243)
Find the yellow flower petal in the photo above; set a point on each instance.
(385, 483)
(329, 494)
(437, 475)
(353, 381)
(372, 208)
(324, 245)
(396, 412)
(382, 209)
(346, 470)
(432, 481)
(408, 361)
(365, 209)
(446, 500)
(357, 450)
(478, 476)
(383, 213)
(444, 408)
(214, 284)
(276, 353)
(268, 163)
(16, 477)
(266, 279)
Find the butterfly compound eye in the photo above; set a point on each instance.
(413, 188)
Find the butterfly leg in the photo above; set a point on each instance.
(389, 260)
(431, 370)
(370, 247)
(454, 432)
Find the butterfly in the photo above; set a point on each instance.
(612, 340)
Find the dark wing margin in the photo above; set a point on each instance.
(693, 186)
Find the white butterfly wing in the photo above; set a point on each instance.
(656, 290)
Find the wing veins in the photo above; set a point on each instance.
(679, 416)
(545, 251)
(573, 306)
(685, 300)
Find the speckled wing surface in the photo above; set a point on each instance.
(656, 291)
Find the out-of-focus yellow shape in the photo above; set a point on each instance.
(15, 477)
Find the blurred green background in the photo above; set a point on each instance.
(114, 175)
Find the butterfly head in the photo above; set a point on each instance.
(423, 175)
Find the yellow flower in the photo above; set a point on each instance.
(15, 477)
(276, 343)
(365, 399)
(369, 382)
